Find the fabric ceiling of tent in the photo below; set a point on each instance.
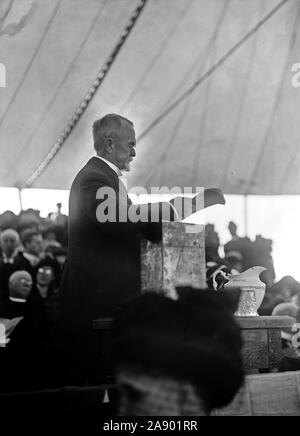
(239, 130)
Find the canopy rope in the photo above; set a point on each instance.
(60, 86)
(88, 97)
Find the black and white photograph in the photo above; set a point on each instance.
(149, 212)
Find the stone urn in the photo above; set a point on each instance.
(252, 290)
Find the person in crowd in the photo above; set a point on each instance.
(103, 268)
(8, 220)
(59, 218)
(235, 260)
(56, 252)
(44, 298)
(49, 236)
(232, 227)
(212, 244)
(9, 244)
(10, 260)
(29, 218)
(177, 358)
(20, 287)
(47, 275)
(218, 270)
(263, 257)
(244, 246)
(32, 242)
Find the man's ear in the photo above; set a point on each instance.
(108, 145)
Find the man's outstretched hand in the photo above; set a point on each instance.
(213, 196)
(188, 206)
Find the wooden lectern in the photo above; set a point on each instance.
(179, 259)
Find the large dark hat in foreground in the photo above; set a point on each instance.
(195, 338)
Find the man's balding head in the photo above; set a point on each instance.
(108, 126)
(114, 140)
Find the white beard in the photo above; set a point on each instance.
(126, 167)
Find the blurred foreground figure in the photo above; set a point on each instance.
(178, 358)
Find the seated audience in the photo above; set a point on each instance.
(177, 358)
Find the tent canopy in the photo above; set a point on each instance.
(237, 130)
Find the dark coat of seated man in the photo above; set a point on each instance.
(9, 244)
(24, 359)
(20, 285)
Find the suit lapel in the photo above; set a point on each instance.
(111, 174)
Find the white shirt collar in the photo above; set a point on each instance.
(115, 169)
(9, 259)
(17, 300)
(111, 165)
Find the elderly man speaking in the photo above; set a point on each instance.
(103, 268)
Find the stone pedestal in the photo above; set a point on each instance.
(261, 335)
(179, 259)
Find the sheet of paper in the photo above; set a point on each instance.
(186, 206)
(10, 324)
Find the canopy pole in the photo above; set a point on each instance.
(20, 199)
(246, 210)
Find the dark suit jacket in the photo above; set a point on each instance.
(103, 268)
